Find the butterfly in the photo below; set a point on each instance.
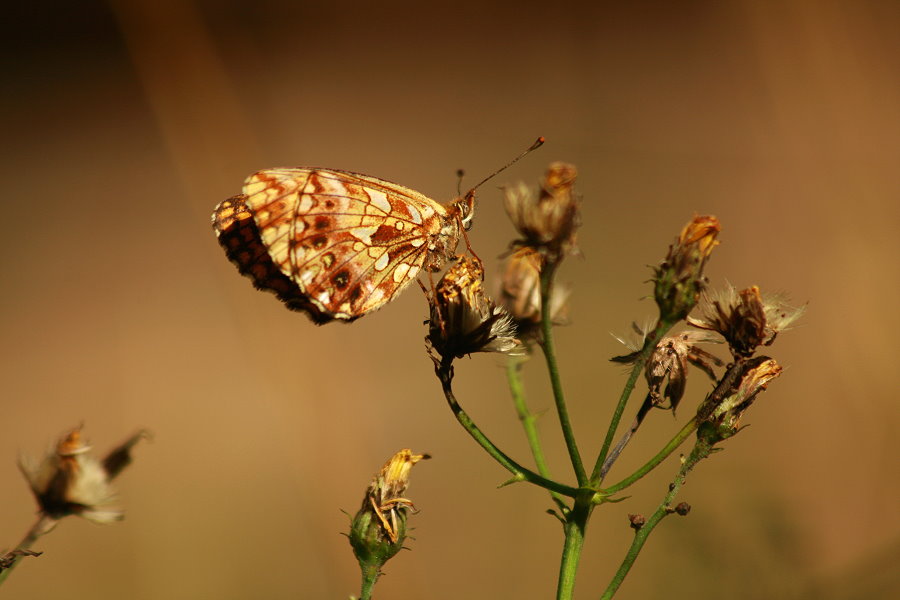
(334, 244)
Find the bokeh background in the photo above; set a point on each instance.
(126, 122)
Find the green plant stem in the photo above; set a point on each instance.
(701, 450)
(519, 472)
(43, 525)
(529, 422)
(575, 526)
(370, 575)
(649, 345)
(654, 462)
(547, 347)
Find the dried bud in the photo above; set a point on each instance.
(755, 379)
(69, 481)
(683, 508)
(547, 221)
(746, 318)
(636, 521)
(521, 293)
(679, 279)
(463, 319)
(379, 528)
(721, 420)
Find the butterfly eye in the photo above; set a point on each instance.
(467, 210)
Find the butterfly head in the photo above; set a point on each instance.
(467, 209)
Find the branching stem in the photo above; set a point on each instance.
(649, 345)
(701, 450)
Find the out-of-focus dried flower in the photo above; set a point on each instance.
(669, 363)
(745, 318)
(679, 279)
(69, 481)
(521, 293)
(547, 220)
(463, 319)
(378, 530)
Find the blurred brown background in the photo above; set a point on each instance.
(126, 122)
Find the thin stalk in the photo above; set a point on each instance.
(701, 450)
(649, 345)
(553, 369)
(519, 472)
(635, 425)
(576, 524)
(529, 422)
(43, 525)
(654, 462)
(369, 577)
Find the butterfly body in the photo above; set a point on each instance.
(335, 244)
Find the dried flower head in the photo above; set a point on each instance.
(547, 220)
(379, 528)
(521, 293)
(720, 414)
(679, 279)
(745, 318)
(69, 481)
(669, 363)
(463, 319)
(754, 380)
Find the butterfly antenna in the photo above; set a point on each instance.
(459, 177)
(537, 144)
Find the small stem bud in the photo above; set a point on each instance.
(636, 521)
(682, 508)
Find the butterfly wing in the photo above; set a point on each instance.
(337, 244)
(239, 236)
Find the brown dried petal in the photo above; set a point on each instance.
(548, 220)
(463, 319)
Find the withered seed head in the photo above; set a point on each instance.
(547, 220)
(679, 279)
(745, 318)
(669, 362)
(463, 319)
(521, 293)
